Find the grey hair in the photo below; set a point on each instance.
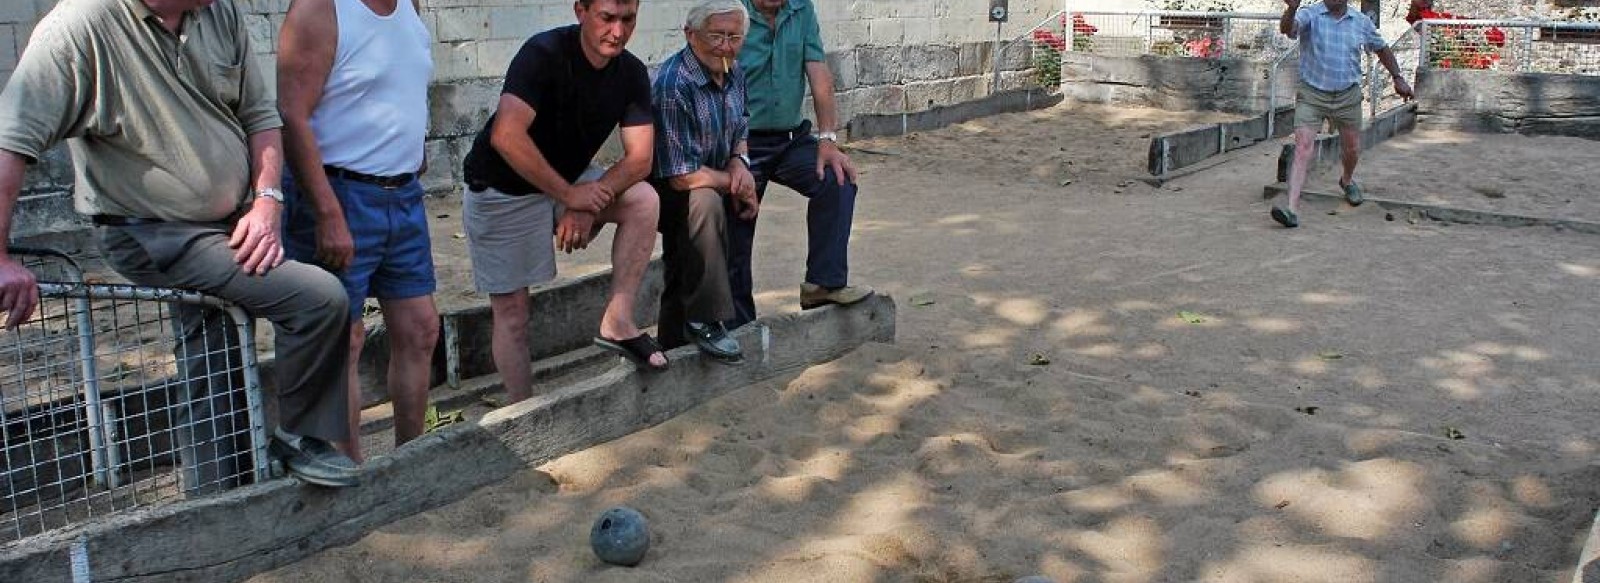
(702, 13)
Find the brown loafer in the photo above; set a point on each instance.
(816, 296)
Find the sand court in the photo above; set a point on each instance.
(1096, 379)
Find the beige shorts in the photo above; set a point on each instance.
(1342, 108)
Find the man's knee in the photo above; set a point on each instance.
(414, 327)
(641, 204)
(510, 312)
(706, 212)
(324, 294)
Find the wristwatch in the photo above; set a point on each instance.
(271, 193)
(744, 158)
(829, 136)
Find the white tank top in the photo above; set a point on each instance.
(373, 115)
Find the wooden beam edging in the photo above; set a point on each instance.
(1402, 119)
(235, 535)
(1450, 214)
(1173, 151)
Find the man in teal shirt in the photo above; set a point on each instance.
(782, 55)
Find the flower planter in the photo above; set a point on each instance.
(1190, 22)
(1558, 34)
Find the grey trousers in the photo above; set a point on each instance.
(307, 307)
(694, 235)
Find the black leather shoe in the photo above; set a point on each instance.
(713, 339)
(315, 461)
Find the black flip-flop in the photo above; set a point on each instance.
(637, 350)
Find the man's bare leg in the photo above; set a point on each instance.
(635, 215)
(351, 444)
(1305, 138)
(1350, 144)
(413, 325)
(509, 343)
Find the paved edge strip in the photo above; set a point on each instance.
(232, 536)
(1452, 214)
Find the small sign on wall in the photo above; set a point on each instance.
(999, 11)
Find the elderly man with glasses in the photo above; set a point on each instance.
(701, 158)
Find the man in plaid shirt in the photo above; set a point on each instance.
(1332, 38)
(702, 156)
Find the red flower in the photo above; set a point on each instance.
(1495, 36)
(1054, 40)
(1080, 26)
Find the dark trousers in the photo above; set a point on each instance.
(790, 159)
(694, 232)
(307, 307)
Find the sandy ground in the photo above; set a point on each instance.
(1537, 176)
(1354, 401)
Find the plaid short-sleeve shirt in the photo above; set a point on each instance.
(1330, 46)
(698, 122)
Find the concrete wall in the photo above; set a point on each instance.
(888, 56)
(1180, 83)
(1497, 101)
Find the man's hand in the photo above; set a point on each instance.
(742, 189)
(1403, 89)
(588, 197)
(335, 247)
(574, 230)
(255, 238)
(1292, 4)
(829, 156)
(19, 292)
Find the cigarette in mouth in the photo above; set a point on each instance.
(725, 68)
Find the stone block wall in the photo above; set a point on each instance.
(1179, 83)
(888, 56)
(1501, 101)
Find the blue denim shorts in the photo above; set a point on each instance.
(394, 256)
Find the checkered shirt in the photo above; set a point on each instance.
(697, 122)
(1330, 47)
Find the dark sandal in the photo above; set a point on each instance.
(637, 350)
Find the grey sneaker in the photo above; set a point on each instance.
(1352, 193)
(1285, 217)
(713, 339)
(315, 461)
(816, 296)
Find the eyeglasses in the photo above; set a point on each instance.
(722, 38)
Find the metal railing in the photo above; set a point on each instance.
(1510, 45)
(116, 396)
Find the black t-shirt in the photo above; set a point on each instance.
(575, 108)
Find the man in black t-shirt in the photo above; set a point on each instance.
(528, 179)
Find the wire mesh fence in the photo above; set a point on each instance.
(1510, 45)
(1206, 35)
(115, 396)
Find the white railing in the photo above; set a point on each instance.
(1510, 45)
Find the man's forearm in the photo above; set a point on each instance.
(705, 177)
(266, 159)
(626, 173)
(822, 99)
(1286, 22)
(12, 168)
(1386, 56)
(300, 147)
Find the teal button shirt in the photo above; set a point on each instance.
(774, 61)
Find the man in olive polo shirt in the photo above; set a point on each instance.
(176, 151)
(782, 55)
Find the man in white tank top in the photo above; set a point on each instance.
(353, 89)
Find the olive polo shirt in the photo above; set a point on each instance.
(157, 123)
(774, 62)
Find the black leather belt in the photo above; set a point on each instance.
(785, 134)
(388, 182)
(116, 221)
